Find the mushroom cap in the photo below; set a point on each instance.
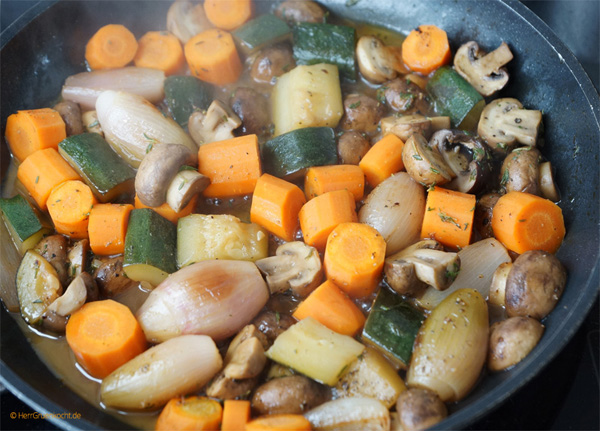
(403, 95)
(483, 71)
(534, 284)
(376, 61)
(520, 171)
(361, 113)
(158, 169)
(419, 409)
(406, 126)
(424, 163)
(511, 340)
(466, 156)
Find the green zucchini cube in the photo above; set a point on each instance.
(25, 225)
(186, 94)
(259, 32)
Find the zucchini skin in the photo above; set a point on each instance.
(299, 149)
(184, 95)
(107, 174)
(326, 43)
(261, 31)
(392, 326)
(21, 216)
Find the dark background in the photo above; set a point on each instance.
(564, 396)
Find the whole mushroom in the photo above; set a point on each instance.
(424, 163)
(352, 147)
(520, 171)
(419, 409)
(376, 62)
(294, 11)
(272, 62)
(403, 95)
(511, 340)
(361, 113)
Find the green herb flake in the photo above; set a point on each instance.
(94, 124)
(149, 147)
(181, 185)
(431, 187)
(417, 157)
(522, 220)
(449, 219)
(277, 317)
(430, 209)
(452, 273)
(38, 301)
(37, 179)
(434, 170)
(505, 178)
(354, 105)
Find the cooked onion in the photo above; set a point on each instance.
(213, 297)
(356, 413)
(478, 262)
(395, 208)
(84, 88)
(132, 126)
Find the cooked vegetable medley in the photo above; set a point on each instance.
(285, 221)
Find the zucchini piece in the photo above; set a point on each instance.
(392, 327)
(220, 236)
(454, 97)
(291, 153)
(326, 43)
(186, 94)
(107, 174)
(37, 286)
(315, 351)
(307, 96)
(25, 225)
(261, 31)
(150, 247)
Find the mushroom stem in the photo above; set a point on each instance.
(185, 185)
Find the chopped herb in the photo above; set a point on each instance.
(448, 219)
(430, 209)
(431, 187)
(354, 105)
(38, 301)
(277, 316)
(434, 170)
(522, 220)
(473, 175)
(181, 185)
(417, 157)
(466, 226)
(502, 145)
(186, 168)
(37, 179)
(149, 147)
(451, 274)
(94, 124)
(505, 178)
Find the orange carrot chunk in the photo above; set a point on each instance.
(103, 336)
(425, 49)
(331, 307)
(70, 205)
(160, 50)
(213, 57)
(190, 414)
(279, 422)
(42, 171)
(275, 206)
(383, 159)
(112, 46)
(320, 215)
(354, 258)
(323, 179)
(107, 228)
(228, 14)
(233, 166)
(449, 217)
(30, 131)
(167, 212)
(523, 222)
(236, 414)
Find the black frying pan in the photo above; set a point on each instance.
(41, 50)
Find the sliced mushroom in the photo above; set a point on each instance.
(483, 71)
(511, 340)
(217, 124)
(498, 287)
(439, 123)
(352, 147)
(404, 96)
(111, 278)
(273, 323)
(419, 409)
(424, 163)
(53, 248)
(504, 122)
(376, 61)
(248, 331)
(520, 171)
(77, 257)
(547, 183)
(253, 110)
(534, 284)
(289, 395)
(247, 361)
(406, 126)
(294, 11)
(72, 300)
(71, 115)
(467, 156)
(226, 388)
(482, 221)
(158, 169)
(272, 62)
(91, 123)
(422, 264)
(54, 322)
(295, 266)
(186, 184)
(361, 113)
(185, 20)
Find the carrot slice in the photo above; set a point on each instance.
(30, 131)
(354, 258)
(280, 422)
(103, 336)
(69, 206)
(160, 50)
(236, 414)
(449, 217)
(523, 222)
(275, 206)
(331, 307)
(167, 212)
(228, 14)
(233, 166)
(110, 47)
(320, 215)
(425, 49)
(323, 179)
(107, 228)
(213, 57)
(383, 159)
(190, 414)
(42, 171)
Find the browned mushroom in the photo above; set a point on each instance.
(253, 109)
(424, 163)
(352, 147)
(419, 409)
(520, 171)
(482, 221)
(361, 113)
(71, 115)
(511, 340)
(294, 11)
(272, 62)
(289, 395)
(54, 249)
(404, 96)
(483, 70)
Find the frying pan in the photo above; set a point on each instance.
(47, 44)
